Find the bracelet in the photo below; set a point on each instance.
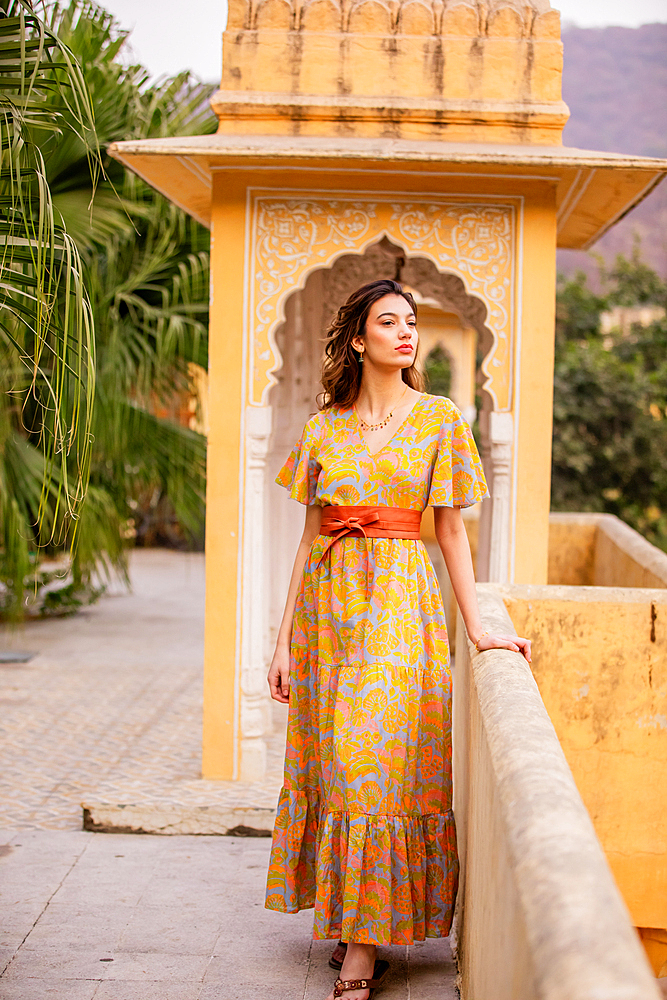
(480, 639)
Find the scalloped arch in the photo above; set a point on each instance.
(296, 233)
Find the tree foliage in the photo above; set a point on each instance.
(143, 280)
(610, 402)
(47, 347)
(438, 370)
(147, 271)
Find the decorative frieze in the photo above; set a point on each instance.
(483, 18)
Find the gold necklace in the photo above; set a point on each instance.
(383, 423)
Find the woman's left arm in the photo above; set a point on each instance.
(453, 541)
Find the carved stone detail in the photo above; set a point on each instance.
(255, 711)
(293, 236)
(380, 260)
(495, 526)
(504, 18)
(450, 291)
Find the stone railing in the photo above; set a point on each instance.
(539, 914)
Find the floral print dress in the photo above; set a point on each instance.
(364, 829)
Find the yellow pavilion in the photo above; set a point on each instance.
(416, 139)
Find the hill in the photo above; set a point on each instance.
(615, 83)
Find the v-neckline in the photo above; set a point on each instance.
(357, 423)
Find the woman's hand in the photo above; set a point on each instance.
(278, 676)
(513, 642)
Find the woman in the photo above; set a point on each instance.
(365, 831)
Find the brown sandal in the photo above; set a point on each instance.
(344, 985)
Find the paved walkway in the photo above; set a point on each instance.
(111, 708)
(123, 917)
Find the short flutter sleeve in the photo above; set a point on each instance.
(458, 478)
(300, 472)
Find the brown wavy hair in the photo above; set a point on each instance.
(341, 371)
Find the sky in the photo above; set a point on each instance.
(166, 41)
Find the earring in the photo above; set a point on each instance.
(361, 356)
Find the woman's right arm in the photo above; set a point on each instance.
(279, 670)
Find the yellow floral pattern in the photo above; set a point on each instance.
(365, 830)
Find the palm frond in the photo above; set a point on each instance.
(108, 253)
(45, 316)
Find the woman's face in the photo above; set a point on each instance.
(391, 337)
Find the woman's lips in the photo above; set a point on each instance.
(405, 348)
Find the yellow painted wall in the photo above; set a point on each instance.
(414, 70)
(534, 391)
(572, 551)
(623, 565)
(600, 661)
(222, 513)
(600, 550)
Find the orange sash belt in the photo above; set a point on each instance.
(368, 522)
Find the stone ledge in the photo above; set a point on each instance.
(221, 146)
(170, 819)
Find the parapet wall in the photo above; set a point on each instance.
(600, 662)
(600, 550)
(539, 914)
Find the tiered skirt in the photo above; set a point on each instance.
(364, 830)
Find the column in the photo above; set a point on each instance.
(495, 522)
(255, 706)
(500, 442)
(533, 393)
(225, 481)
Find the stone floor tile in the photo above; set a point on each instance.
(156, 929)
(31, 896)
(243, 972)
(6, 954)
(56, 963)
(396, 985)
(60, 846)
(430, 976)
(262, 929)
(112, 876)
(48, 989)
(10, 942)
(320, 977)
(67, 928)
(96, 898)
(17, 921)
(123, 989)
(431, 969)
(234, 991)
